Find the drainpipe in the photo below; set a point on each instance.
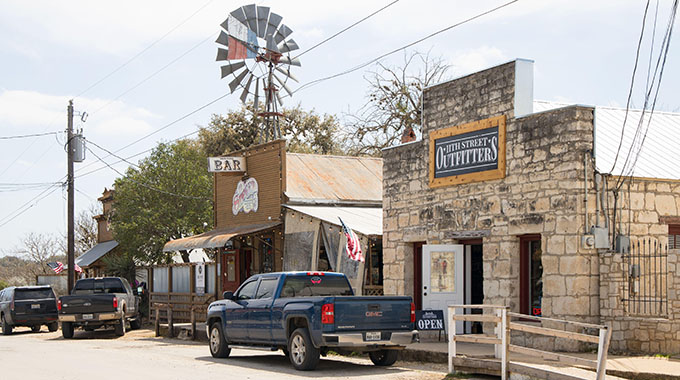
(585, 188)
(598, 180)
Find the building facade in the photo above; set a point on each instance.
(499, 204)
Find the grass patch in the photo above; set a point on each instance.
(664, 356)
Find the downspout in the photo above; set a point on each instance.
(585, 188)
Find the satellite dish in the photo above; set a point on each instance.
(257, 47)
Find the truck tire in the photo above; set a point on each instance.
(302, 353)
(383, 358)
(120, 327)
(218, 344)
(67, 330)
(52, 327)
(6, 327)
(136, 322)
(35, 328)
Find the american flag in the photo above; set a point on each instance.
(353, 247)
(77, 268)
(57, 267)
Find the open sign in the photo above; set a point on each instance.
(430, 319)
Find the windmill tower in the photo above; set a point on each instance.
(257, 49)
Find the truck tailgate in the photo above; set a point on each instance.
(372, 313)
(91, 303)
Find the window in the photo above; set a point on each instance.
(674, 236)
(309, 286)
(531, 275)
(247, 291)
(33, 294)
(266, 288)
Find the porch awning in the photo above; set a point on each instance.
(95, 253)
(215, 238)
(363, 220)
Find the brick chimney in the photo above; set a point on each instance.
(408, 136)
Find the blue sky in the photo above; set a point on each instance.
(51, 52)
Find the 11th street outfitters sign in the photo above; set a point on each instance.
(468, 153)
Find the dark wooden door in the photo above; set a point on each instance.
(230, 270)
(418, 275)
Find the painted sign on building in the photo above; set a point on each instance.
(200, 279)
(245, 197)
(468, 153)
(226, 164)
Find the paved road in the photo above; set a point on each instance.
(139, 355)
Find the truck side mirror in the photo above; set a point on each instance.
(228, 295)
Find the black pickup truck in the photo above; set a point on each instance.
(97, 302)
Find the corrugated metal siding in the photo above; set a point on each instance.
(313, 176)
(180, 279)
(210, 278)
(659, 157)
(160, 280)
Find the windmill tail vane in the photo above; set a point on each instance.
(256, 46)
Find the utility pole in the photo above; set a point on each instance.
(71, 232)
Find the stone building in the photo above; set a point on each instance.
(499, 204)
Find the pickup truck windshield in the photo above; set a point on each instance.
(307, 286)
(33, 294)
(112, 285)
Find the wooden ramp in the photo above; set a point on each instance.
(520, 368)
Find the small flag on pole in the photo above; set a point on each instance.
(57, 267)
(353, 247)
(77, 268)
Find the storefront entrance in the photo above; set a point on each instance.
(443, 271)
(474, 281)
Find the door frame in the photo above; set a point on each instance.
(458, 295)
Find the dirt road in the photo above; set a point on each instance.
(139, 355)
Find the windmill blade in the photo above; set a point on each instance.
(257, 94)
(262, 17)
(289, 61)
(222, 55)
(246, 89)
(287, 73)
(237, 81)
(282, 33)
(283, 84)
(232, 67)
(271, 45)
(274, 21)
(287, 46)
(238, 14)
(278, 97)
(223, 38)
(251, 16)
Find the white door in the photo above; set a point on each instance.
(443, 279)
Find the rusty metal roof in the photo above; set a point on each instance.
(333, 178)
(215, 238)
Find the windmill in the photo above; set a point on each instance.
(257, 47)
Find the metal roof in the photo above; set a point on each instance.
(659, 156)
(336, 178)
(95, 253)
(215, 238)
(363, 220)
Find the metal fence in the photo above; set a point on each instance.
(645, 294)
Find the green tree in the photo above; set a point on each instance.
(168, 196)
(305, 131)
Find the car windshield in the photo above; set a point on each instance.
(33, 294)
(306, 286)
(106, 285)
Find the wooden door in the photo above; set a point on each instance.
(230, 270)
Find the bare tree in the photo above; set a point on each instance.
(394, 104)
(86, 229)
(38, 249)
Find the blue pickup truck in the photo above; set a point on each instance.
(306, 314)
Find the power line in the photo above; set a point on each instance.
(112, 154)
(346, 29)
(163, 127)
(144, 50)
(314, 82)
(22, 209)
(147, 185)
(26, 136)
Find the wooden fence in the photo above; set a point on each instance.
(174, 296)
(526, 324)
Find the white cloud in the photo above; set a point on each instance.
(472, 60)
(23, 112)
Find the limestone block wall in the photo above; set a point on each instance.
(542, 193)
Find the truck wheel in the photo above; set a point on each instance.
(120, 327)
(52, 327)
(136, 323)
(6, 327)
(218, 345)
(35, 328)
(302, 353)
(383, 358)
(67, 330)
